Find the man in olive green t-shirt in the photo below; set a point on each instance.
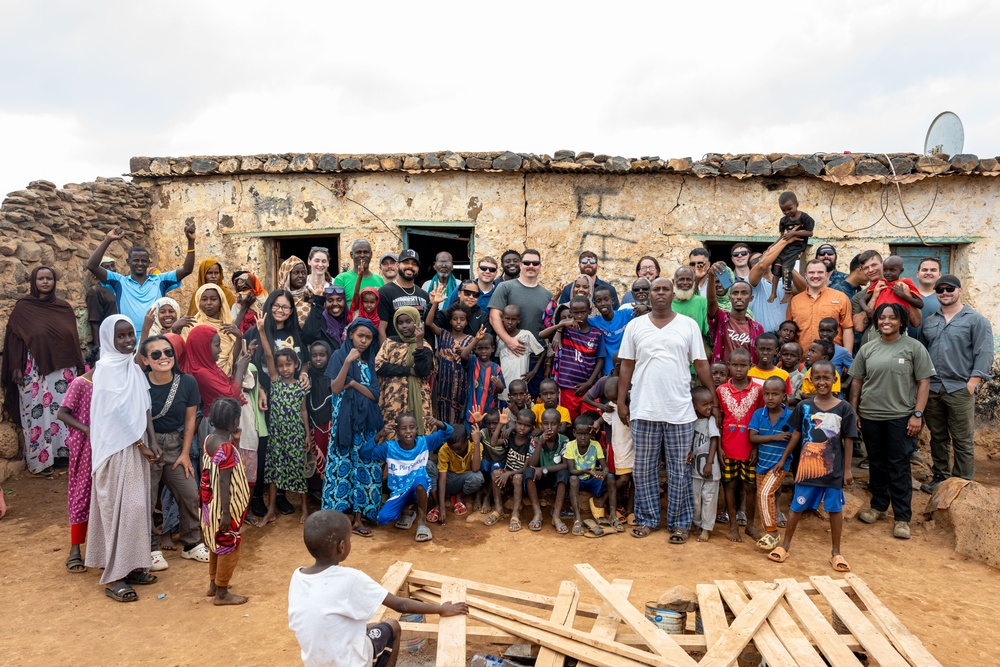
(361, 254)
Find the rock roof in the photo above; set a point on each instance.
(841, 167)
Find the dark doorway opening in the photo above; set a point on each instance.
(721, 250)
(429, 241)
(283, 247)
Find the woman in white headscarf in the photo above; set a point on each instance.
(122, 444)
(166, 311)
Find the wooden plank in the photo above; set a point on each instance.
(815, 623)
(564, 613)
(748, 622)
(393, 581)
(713, 614)
(608, 621)
(765, 640)
(526, 598)
(659, 641)
(905, 641)
(577, 645)
(451, 629)
(784, 626)
(875, 643)
(473, 633)
(514, 619)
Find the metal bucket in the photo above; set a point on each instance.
(671, 622)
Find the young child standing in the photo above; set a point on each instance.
(319, 408)
(548, 392)
(789, 357)
(842, 359)
(767, 349)
(818, 350)
(453, 350)
(547, 469)
(225, 496)
(290, 436)
(74, 411)
(485, 378)
(458, 464)
(706, 463)
(518, 444)
(796, 227)
(494, 456)
(621, 451)
(588, 472)
(720, 374)
(770, 432)
(738, 399)
(329, 604)
(580, 356)
(406, 458)
(517, 367)
(824, 428)
(788, 332)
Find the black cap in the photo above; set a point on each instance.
(388, 255)
(409, 254)
(948, 279)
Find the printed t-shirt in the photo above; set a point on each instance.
(613, 332)
(517, 455)
(768, 453)
(701, 445)
(757, 375)
(819, 458)
(587, 459)
(729, 334)
(577, 356)
(738, 406)
(392, 297)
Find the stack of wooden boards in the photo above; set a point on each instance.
(778, 620)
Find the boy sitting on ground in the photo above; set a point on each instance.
(493, 456)
(408, 480)
(329, 604)
(518, 397)
(458, 472)
(706, 461)
(588, 472)
(547, 469)
(548, 392)
(518, 444)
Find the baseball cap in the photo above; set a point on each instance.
(948, 279)
(409, 254)
(825, 246)
(388, 255)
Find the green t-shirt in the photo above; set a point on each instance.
(547, 457)
(890, 372)
(696, 308)
(347, 280)
(584, 460)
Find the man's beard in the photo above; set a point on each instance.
(683, 294)
(830, 266)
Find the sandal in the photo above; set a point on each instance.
(620, 515)
(140, 578)
(767, 542)
(561, 528)
(75, 565)
(779, 555)
(362, 531)
(122, 593)
(535, 526)
(782, 521)
(840, 564)
(641, 531)
(405, 520)
(459, 508)
(631, 520)
(424, 534)
(492, 518)
(722, 517)
(618, 525)
(577, 528)
(515, 524)
(433, 516)
(593, 527)
(741, 518)
(679, 537)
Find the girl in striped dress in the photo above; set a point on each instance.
(225, 495)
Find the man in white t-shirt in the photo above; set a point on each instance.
(654, 396)
(329, 605)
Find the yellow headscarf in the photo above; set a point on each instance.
(227, 342)
(227, 293)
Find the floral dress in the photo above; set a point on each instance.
(284, 464)
(223, 539)
(41, 396)
(452, 379)
(77, 401)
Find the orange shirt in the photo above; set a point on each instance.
(807, 310)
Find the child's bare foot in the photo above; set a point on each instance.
(703, 537)
(223, 597)
(212, 588)
(786, 298)
(734, 533)
(771, 298)
(268, 518)
(305, 515)
(167, 543)
(752, 532)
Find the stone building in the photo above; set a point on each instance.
(253, 211)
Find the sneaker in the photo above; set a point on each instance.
(901, 530)
(932, 485)
(864, 465)
(159, 562)
(283, 506)
(198, 553)
(871, 515)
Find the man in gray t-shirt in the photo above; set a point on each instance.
(530, 297)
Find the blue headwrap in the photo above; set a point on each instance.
(358, 414)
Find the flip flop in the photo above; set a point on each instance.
(122, 593)
(722, 517)
(593, 527)
(779, 555)
(741, 518)
(561, 528)
(578, 528)
(515, 525)
(767, 542)
(424, 534)
(620, 514)
(74, 564)
(459, 508)
(492, 518)
(535, 526)
(362, 531)
(618, 526)
(595, 511)
(140, 578)
(433, 516)
(630, 520)
(840, 564)
(679, 537)
(405, 520)
(641, 531)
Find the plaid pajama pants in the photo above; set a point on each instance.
(674, 440)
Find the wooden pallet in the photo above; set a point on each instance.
(779, 620)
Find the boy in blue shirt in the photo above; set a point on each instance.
(769, 431)
(612, 322)
(406, 460)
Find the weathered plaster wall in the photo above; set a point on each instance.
(618, 217)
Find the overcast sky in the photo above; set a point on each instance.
(85, 86)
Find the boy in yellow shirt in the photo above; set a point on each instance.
(458, 472)
(588, 472)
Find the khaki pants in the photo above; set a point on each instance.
(184, 490)
(950, 419)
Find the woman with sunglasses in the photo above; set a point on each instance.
(175, 398)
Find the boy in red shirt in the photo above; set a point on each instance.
(739, 398)
(892, 289)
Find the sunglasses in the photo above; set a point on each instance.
(487, 269)
(826, 253)
(697, 263)
(156, 354)
(588, 260)
(945, 288)
(740, 253)
(529, 263)
(640, 289)
(469, 292)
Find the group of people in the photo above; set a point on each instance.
(455, 394)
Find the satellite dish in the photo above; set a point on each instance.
(945, 135)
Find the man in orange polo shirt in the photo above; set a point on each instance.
(819, 300)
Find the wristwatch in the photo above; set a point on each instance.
(545, 471)
(918, 414)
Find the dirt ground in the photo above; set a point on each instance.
(52, 617)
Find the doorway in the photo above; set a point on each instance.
(428, 241)
(281, 248)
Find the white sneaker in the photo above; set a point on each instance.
(159, 562)
(199, 553)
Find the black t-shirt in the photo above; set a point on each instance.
(187, 395)
(819, 458)
(795, 248)
(392, 297)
